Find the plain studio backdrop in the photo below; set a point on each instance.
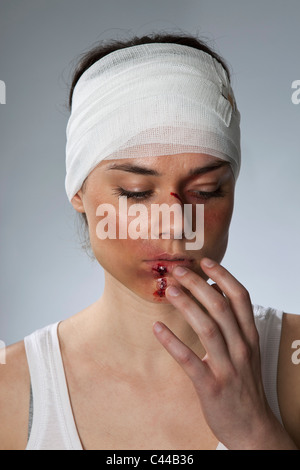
(45, 274)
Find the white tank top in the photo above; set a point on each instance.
(53, 423)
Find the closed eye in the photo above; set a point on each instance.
(140, 195)
(208, 194)
(133, 194)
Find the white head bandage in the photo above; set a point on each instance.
(150, 100)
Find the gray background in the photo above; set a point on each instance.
(45, 275)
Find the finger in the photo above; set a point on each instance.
(217, 288)
(237, 295)
(216, 305)
(204, 326)
(192, 365)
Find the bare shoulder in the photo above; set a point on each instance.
(14, 398)
(289, 375)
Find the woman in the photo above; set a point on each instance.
(163, 360)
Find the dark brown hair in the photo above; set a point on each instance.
(106, 47)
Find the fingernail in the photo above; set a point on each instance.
(179, 271)
(209, 263)
(157, 327)
(173, 291)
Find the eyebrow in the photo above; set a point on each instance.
(141, 170)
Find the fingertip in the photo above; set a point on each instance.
(208, 263)
(157, 327)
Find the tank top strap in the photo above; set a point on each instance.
(269, 324)
(53, 425)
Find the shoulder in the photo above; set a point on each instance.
(14, 398)
(288, 381)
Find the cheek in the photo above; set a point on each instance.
(216, 230)
(217, 220)
(119, 244)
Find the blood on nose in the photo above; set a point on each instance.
(176, 195)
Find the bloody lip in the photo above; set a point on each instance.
(161, 265)
(160, 269)
(161, 287)
(164, 266)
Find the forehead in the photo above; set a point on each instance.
(163, 164)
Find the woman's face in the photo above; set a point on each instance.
(143, 264)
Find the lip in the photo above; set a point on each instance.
(158, 264)
(162, 267)
(177, 257)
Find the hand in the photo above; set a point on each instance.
(228, 378)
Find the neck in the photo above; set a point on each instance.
(120, 324)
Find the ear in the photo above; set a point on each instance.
(77, 202)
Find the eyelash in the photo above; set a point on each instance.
(146, 194)
(133, 194)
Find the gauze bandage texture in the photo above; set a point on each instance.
(151, 100)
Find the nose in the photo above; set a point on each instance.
(167, 217)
